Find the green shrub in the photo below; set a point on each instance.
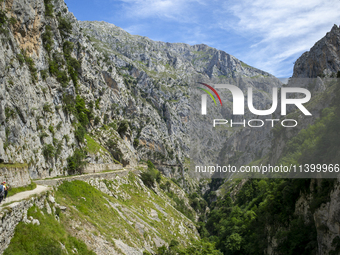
(67, 138)
(56, 69)
(48, 8)
(59, 125)
(31, 66)
(82, 112)
(181, 206)
(151, 175)
(58, 145)
(68, 48)
(123, 127)
(69, 103)
(97, 103)
(3, 23)
(96, 120)
(48, 151)
(90, 105)
(62, 78)
(10, 113)
(43, 74)
(321, 194)
(113, 125)
(43, 135)
(80, 134)
(106, 118)
(53, 67)
(47, 38)
(51, 129)
(21, 59)
(13, 21)
(3, 18)
(47, 108)
(72, 64)
(65, 26)
(75, 163)
(166, 186)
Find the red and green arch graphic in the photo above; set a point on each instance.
(209, 93)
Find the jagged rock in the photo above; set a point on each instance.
(322, 59)
(51, 199)
(35, 222)
(48, 208)
(63, 208)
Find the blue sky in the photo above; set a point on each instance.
(269, 35)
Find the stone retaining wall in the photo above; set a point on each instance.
(97, 168)
(86, 177)
(15, 176)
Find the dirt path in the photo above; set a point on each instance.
(46, 184)
(23, 195)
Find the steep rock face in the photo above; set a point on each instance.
(129, 93)
(180, 60)
(166, 73)
(38, 112)
(322, 59)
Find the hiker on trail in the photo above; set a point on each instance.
(6, 189)
(2, 192)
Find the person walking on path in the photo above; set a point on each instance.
(5, 189)
(2, 192)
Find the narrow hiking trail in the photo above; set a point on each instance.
(23, 195)
(47, 184)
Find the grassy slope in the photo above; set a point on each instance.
(89, 214)
(44, 238)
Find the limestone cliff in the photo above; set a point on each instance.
(89, 90)
(323, 59)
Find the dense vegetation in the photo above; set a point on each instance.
(263, 209)
(150, 176)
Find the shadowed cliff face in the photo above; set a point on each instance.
(323, 59)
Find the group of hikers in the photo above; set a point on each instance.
(3, 191)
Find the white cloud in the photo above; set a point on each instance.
(283, 28)
(166, 9)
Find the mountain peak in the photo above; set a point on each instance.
(323, 59)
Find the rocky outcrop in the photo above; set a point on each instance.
(323, 59)
(325, 218)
